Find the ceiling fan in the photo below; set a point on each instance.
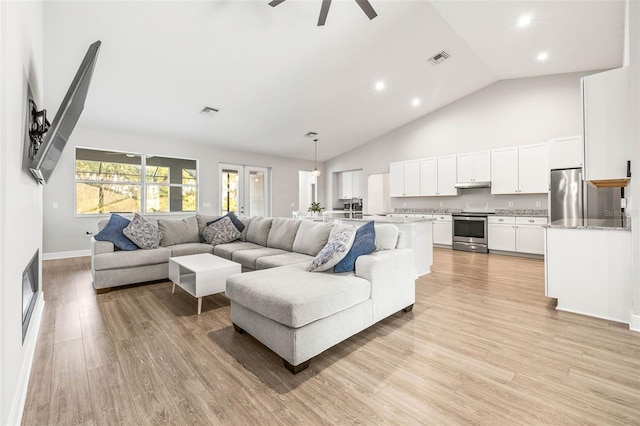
(324, 9)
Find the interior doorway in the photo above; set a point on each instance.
(307, 190)
(245, 190)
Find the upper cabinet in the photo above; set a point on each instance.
(405, 178)
(349, 185)
(520, 170)
(474, 167)
(565, 153)
(438, 176)
(605, 102)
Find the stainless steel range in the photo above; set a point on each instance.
(470, 231)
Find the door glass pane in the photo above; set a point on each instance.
(256, 193)
(230, 182)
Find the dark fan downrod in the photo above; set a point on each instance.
(324, 9)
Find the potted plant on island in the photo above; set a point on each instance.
(315, 208)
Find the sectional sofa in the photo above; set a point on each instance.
(296, 313)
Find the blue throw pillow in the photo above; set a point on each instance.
(231, 215)
(114, 232)
(364, 243)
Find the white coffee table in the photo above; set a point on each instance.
(201, 274)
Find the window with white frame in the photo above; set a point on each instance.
(121, 182)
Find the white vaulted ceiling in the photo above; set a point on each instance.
(275, 75)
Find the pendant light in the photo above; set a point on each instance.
(315, 172)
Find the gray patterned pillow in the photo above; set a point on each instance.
(143, 233)
(334, 251)
(221, 232)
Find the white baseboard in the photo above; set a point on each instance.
(634, 325)
(20, 396)
(66, 254)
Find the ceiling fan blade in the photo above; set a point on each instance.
(324, 11)
(274, 3)
(367, 8)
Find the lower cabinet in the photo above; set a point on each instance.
(442, 229)
(502, 233)
(517, 234)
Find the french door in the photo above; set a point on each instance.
(245, 190)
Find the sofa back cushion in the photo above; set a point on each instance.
(258, 230)
(179, 231)
(246, 220)
(311, 237)
(283, 233)
(386, 236)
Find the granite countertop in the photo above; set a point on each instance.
(613, 224)
(389, 219)
(522, 212)
(427, 211)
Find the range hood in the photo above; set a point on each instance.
(471, 185)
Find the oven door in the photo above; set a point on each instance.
(470, 229)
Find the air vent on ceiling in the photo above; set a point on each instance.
(311, 135)
(439, 57)
(209, 111)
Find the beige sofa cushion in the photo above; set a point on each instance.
(311, 237)
(248, 258)
(258, 231)
(386, 236)
(179, 231)
(226, 250)
(284, 259)
(129, 259)
(187, 249)
(283, 232)
(294, 297)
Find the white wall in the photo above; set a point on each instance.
(64, 233)
(507, 113)
(21, 28)
(633, 191)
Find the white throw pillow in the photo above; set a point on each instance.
(334, 251)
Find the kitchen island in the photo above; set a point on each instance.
(588, 267)
(418, 236)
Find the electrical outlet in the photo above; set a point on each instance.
(205, 205)
(510, 203)
(55, 205)
(404, 204)
(537, 203)
(441, 203)
(623, 203)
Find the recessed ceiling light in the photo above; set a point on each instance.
(524, 20)
(543, 56)
(380, 85)
(415, 102)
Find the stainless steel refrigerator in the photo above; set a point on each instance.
(572, 199)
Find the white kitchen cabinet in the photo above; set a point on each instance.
(516, 234)
(565, 153)
(349, 184)
(447, 175)
(520, 170)
(605, 105)
(429, 176)
(345, 180)
(533, 169)
(530, 235)
(502, 233)
(405, 178)
(504, 171)
(442, 229)
(474, 167)
(356, 184)
(438, 176)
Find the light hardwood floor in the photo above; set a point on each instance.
(481, 346)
